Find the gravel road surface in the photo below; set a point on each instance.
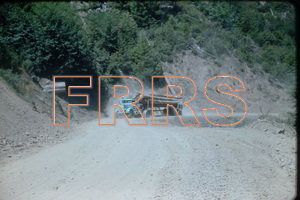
(156, 162)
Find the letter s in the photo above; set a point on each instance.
(238, 85)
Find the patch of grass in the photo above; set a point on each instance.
(259, 87)
(218, 63)
(11, 78)
(288, 118)
(20, 82)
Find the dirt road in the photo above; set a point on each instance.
(156, 162)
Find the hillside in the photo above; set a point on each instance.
(262, 94)
(195, 39)
(26, 126)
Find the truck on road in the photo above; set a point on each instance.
(159, 107)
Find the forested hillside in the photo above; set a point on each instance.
(134, 37)
(252, 40)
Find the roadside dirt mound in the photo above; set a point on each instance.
(29, 124)
(273, 127)
(282, 149)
